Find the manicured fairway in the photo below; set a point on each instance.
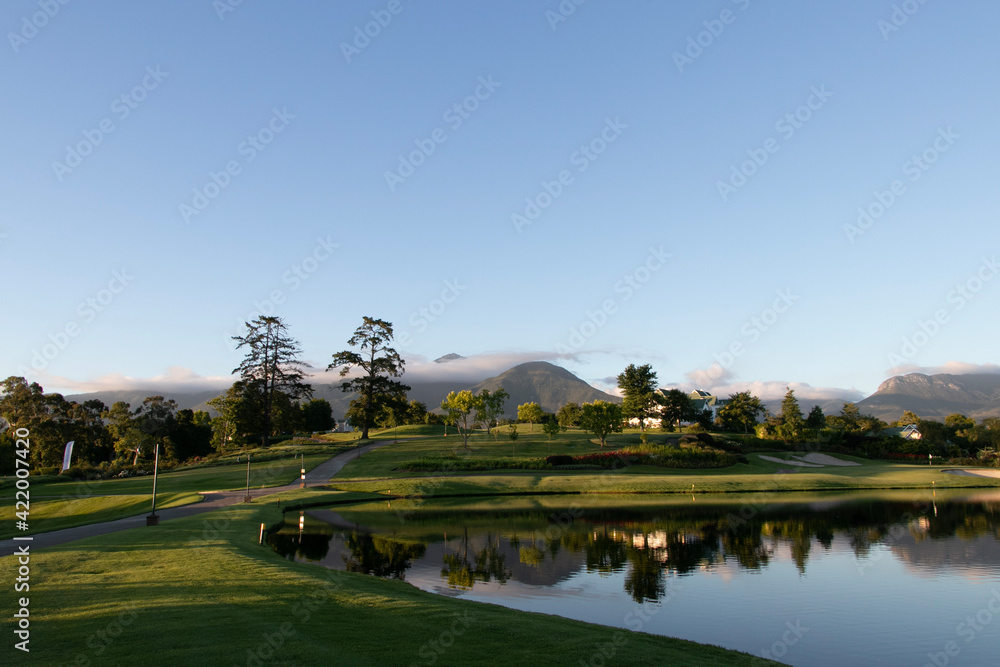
(377, 472)
(56, 514)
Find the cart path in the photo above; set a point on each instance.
(318, 476)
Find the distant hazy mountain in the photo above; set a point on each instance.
(448, 357)
(134, 397)
(935, 396)
(930, 396)
(546, 384)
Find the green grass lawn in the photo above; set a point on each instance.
(375, 471)
(188, 480)
(201, 590)
(48, 515)
(57, 503)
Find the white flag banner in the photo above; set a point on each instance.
(67, 455)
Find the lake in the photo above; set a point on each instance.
(879, 578)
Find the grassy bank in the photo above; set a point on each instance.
(56, 514)
(201, 589)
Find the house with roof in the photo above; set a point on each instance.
(705, 401)
(908, 432)
(701, 399)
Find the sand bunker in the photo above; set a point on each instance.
(826, 460)
(975, 473)
(801, 464)
(810, 461)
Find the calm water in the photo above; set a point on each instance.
(845, 579)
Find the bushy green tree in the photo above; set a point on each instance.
(491, 408)
(740, 412)
(460, 407)
(602, 418)
(531, 413)
(816, 419)
(638, 384)
(569, 415)
(676, 407)
(551, 428)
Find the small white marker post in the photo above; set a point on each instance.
(261, 540)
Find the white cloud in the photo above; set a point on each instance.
(720, 382)
(177, 379)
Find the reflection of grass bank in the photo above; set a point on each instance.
(427, 520)
(201, 589)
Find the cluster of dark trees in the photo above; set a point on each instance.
(743, 412)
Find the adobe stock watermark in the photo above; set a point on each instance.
(894, 534)
(424, 316)
(31, 24)
(581, 159)
(913, 169)
(562, 12)
(363, 35)
(899, 17)
(432, 650)
(248, 150)
(223, 7)
(454, 116)
(121, 108)
(294, 277)
(968, 629)
(697, 44)
(957, 299)
(752, 330)
(625, 289)
(635, 620)
(86, 311)
(789, 638)
(786, 126)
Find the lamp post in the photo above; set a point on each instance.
(153, 519)
(246, 498)
(302, 484)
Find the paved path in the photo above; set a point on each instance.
(318, 476)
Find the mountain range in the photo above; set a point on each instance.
(551, 386)
(540, 382)
(975, 395)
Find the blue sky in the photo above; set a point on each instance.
(697, 170)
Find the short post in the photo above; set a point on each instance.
(246, 498)
(153, 519)
(302, 484)
(261, 540)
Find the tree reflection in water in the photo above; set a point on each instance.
(650, 545)
(487, 564)
(380, 556)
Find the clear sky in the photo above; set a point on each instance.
(596, 185)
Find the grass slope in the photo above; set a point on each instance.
(201, 591)
(49, 515)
